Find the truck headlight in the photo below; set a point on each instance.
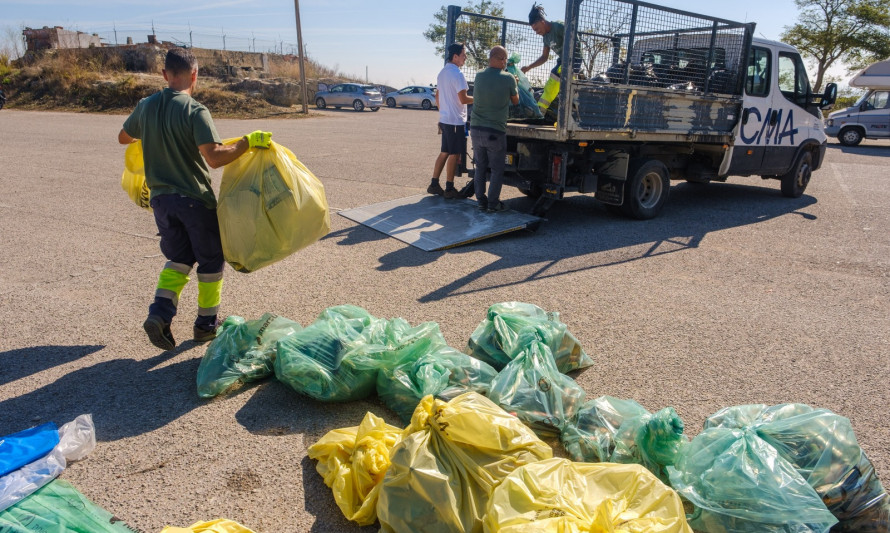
(830, 122)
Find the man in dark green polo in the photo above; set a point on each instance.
(493, 92)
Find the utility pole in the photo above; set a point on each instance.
(302, 60)
(115, 33)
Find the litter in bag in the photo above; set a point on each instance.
(76, 439)
(510, 327)
(353, 461)
(823, 449)
(442, 372)
(450, 459)
(60, 508)
(527, 107)
(270, 205)
(314, 362)
(243, 351)
(337, 357)
(738, 482)
(221, 525)
(559, 495)
(532, 388)
(609, 429)
(21, 448)
(133, 178)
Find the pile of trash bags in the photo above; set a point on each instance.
(477, 418)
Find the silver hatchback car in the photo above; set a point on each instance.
(413, 96)
(354, 95)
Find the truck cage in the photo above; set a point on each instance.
(620, 41)
(632, 58)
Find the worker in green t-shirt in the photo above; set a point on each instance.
(493, 92)
(179, 143)
(553, 34)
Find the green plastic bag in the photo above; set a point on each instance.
(314, 361)
(337, 357)
(738, 482)
(609, 429)
(442, 372)
(58, 507)
(242, 351)
(531, 388)
(823, 449)
(511, 327)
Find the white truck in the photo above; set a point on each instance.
(869, 117)
(660, 94)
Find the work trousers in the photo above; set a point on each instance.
(189, 234)
(489, 152)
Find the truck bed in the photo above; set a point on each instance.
(602, 112)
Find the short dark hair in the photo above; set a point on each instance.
(454, 49)
(180, 60)
(537, 13)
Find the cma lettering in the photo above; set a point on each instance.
(767, 131)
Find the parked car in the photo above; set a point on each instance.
(353, 95)
(413, 96)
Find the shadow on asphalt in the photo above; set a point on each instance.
(23, 362)
(126, 397)
(320, 504)
(275, 409)
(580, 226)
(862, 149)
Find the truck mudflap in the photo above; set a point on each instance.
(433, 223)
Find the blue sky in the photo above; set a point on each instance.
(383, 39)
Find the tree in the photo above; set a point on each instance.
(856, 32)
(478, 34)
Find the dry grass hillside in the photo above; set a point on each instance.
(101, 83)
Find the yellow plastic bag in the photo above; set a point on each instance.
(451, 457)
(133, 178)
(353, 461)
(559, 495)
(221, 525)
(270, 206)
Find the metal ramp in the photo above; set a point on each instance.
(433, 223)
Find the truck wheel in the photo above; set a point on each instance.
(646, 190)
(795, 182)
(850, 136)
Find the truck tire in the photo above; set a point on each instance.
(646, 191)
(850, 136)
(795, 182)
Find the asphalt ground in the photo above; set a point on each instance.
(733, 295)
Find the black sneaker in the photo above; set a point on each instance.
(482, 206)
(203, 335)
(452, 194)
(435, 188)
(158, 332)
(498, 208)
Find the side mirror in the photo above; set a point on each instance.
(829, 96)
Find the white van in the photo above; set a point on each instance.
(869, 117)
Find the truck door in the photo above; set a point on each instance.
(774, 126)
(748, 150)
(875, 115)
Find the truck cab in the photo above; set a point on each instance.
(869, 117)
(780, 133)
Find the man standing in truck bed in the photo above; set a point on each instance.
(553, 34)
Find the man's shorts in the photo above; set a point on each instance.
(454, 139)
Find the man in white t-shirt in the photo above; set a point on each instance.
(451, 100)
